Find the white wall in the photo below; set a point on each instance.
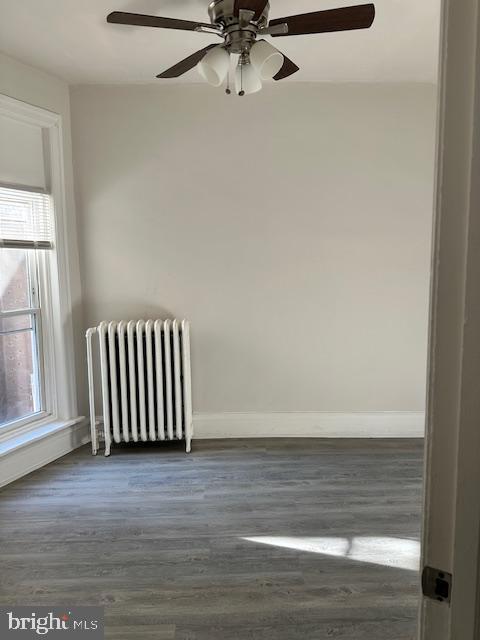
(38, 88)
(291, 227)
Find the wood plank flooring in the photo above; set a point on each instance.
(158, 537)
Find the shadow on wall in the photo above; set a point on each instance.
(77, 319)
(131, 310)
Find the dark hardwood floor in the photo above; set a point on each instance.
(159, 538)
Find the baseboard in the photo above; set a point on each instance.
(381, 424)
(40, 452)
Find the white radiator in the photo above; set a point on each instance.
(146, 381)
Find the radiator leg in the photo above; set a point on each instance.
(188, 446)
(108, 441)
(91, 392)
(94, 440)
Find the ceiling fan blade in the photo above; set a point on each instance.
(288, 69)
(185, 65)
(140, 20)
(257, 6)
(343, 19)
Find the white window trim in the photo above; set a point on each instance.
(59, 374)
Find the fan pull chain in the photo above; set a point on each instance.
(227, 90)
(241, 92)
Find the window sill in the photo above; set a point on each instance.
(22, 425)
(13, 440)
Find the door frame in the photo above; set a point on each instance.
(451, 527)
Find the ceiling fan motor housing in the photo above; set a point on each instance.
(238, 37)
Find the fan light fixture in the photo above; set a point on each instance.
(239, 23)
(266, 60)
(214, 66)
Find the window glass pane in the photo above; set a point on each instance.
(19, 365)
(15, 290)
(19, 383)
(16, 323)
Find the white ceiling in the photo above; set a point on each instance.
(71, 39)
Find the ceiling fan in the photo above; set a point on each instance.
(240, 23)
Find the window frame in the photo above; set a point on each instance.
(53, 275)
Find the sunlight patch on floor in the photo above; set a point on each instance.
(400, 553)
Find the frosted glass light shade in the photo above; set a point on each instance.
(214, 66)
(247, 79)
(266, 60)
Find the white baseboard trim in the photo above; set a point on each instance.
(30, 456)
(381, 424)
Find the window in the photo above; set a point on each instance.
(37, 363)
(25, 234)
